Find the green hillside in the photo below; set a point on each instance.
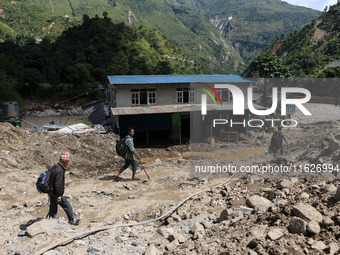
(251, 25)
(82, 57)
(200, 28)
(314, 51)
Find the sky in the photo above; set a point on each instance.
(314, 4)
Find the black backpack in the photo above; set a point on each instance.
(276, 140)
(121, 147)
(43, 183)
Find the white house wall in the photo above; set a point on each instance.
(166, 94)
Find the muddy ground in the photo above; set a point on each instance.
(251, 214)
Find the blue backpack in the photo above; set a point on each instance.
(43, 183)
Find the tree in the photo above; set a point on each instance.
(8, 88)
(268, 66)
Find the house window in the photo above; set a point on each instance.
(152, 97)
(179, 97)
(191, 96)
(141, 96)
(225, 95)
(135, 96)
(183, 95)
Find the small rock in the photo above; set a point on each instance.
(337, 195)
(261, 203)
(286, 191)
(80, 242)
(196, 227)
(310, 241)
(337, 219)
(158, 161)
(303, 196)
(253, 243)
(275, 194)
(133, 234)
(126, 216)
(313, 227)
(331, 188)
(23, 233)
(206, 224)
(275, 234)
(319, 245)
(197, 230)
(94, 250)
(176, 236)
(169, 220)
(297, 226)
(285, 184)
(223, 193)
(327, 221)
(251, 252)
(238, 216)
(224, 214)
(152, 250)
(333, 248)
(172, 246)
(307, 212)
(119, 239)
(258, 231)
(162, 232)
(176, 218)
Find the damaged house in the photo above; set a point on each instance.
(161, 108)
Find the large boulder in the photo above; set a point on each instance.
(261, 203)
(42, 226)
(307, 212)
(297, 226)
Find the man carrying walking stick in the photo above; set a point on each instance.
(130, 156)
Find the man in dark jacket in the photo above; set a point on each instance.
(277, 142)
(58, 187)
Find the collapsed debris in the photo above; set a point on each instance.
(255, 214)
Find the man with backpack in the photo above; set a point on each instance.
(57, 182)
(276, 142)
(130, 154)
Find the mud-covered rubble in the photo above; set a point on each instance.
(282, 226)
(251, 214)
(285, 227)
(25, 149)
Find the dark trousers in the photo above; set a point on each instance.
(276, 150)
(65, 204)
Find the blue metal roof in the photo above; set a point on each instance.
(163, 79)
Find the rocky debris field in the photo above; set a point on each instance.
(250, 214)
